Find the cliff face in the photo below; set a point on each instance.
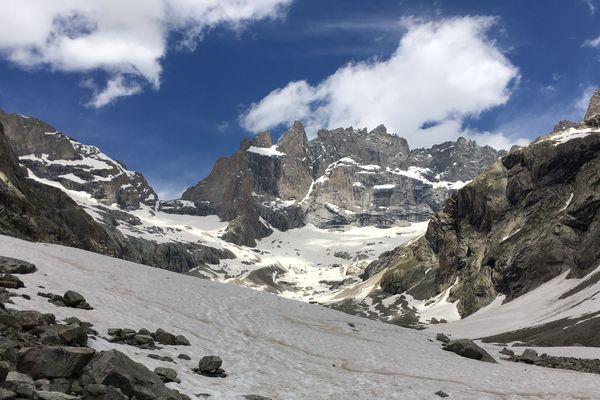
(530, 217)
(341, 177)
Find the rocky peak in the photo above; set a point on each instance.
(51, 155)
(592, 116)
(263, 139)
(294, 142)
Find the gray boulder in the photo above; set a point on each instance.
(13, 266)
(113, 368)
(166, 374)
(209, 364)
(467, 348)
(73, 299)
(164, 337)
(181, 340)
(55, 396)
(53, 362)
(442, 338)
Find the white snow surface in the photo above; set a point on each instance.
(266, 151)
(564, 136)
(272, 346)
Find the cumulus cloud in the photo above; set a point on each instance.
(125, 39)
(592, 43)
(441, 73)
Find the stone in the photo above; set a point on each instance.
(209, 364)
(14, 266)
(10, 282)
(529, 356)
(441, 393)
(166, 374)
(113, 368)
(592, 115)
(181, 340)
(73, 299)
(53, 362)
(440, 337)
(14, 376)
(467, 348)
(5, 368)
(144, 340)
(164, 337)
(144, 331)
(25, 390)
(62, 385)
(184, 357)
(102, 392)
(55, 396)
(114, 331)
(506, 351)
(6, 394)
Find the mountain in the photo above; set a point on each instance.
(531, 217)
(341, 177)
(58, 190)
(49, 154)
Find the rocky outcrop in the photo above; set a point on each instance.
(530, 217)
(341, 177)
(49, 154)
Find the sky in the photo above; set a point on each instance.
(169, 86)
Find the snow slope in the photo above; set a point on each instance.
(273, 346)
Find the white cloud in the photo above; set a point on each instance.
(441, 72)
(115, 88)
(126, 39)
(591, 6)
(592, 43)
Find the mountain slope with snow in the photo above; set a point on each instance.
(272, 346)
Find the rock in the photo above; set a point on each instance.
(14, 376)
(6, 394)
(166, 374)
(55, 396)
(144, 340)
(62, 385)
(442, 338)
(592, 115)
(441, 393)
(164, 337)
(143, 331)
(5, 368)
(113, 368)
(30, 319)
(10, 282)
(114, 331)
(25, 390)
(69, 335)
(467, 348)
(42, 384)
(73, 299)
(184, 357)
(255, 397)
(14, 266)
(102, 392)
(181, 340)
(209, 364)
(53, 362)
(506, 351)
(529, 356)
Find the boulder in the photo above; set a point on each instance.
(184, 357)
(164, 337)
(113, 368)
(53, 362)
(7, 394)
(144, 340)
(467, 348)
(10, 282)
(181, 340)
(73, 299)
(102, 392)
(442, 338)
(13, 266)
(209, 364)
(529, 356)
(65, 335)
(166, 374)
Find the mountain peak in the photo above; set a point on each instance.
(592, 116)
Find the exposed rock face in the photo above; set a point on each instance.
(343, 176)
(51, 155)
(530, 217)
(592, 116)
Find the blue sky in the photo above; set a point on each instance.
(200, 79)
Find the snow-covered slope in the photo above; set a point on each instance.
(271, 346)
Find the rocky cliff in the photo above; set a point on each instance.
(529, 217)
(341, 177)
(49, 154)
